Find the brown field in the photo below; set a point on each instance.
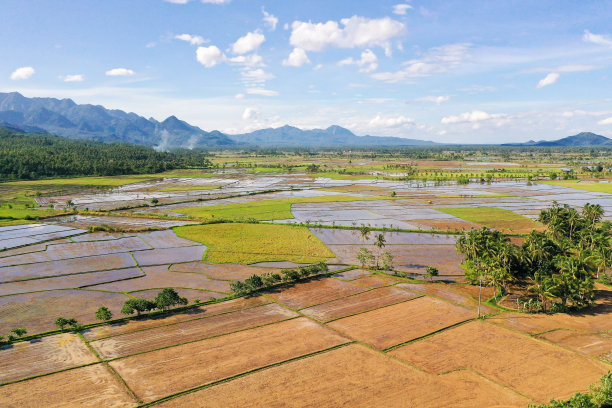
(392, 325)
(449, 292)
(529, 366)
(353, 237)
(224, 271)
(183, 332)
(41, 356)
(358, 303)
(351, 376)
(92, 386)
(189, 294)
(68, 281)
(446, 224)
(169, 255)
(117, 329)
(352, 274)
(66, 266)
(167, 371)
(37, 311)
(373, 281)
(598, 345)
(314, 292)
(160, 277)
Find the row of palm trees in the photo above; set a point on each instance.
(558, 266)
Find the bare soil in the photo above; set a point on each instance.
(598, 345)
(302, 295)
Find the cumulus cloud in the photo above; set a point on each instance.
(250, 114)
(389, 121)
(261, 91)
(548, 80)
(607, 121)
(73, 78)
(209, 56)
(22, 73)
(250, 42)
(269, 20)
(297, 58)
(597, 38)
(191, 39)
(350, 33)
(436, 60)
(368, 61)
(120, 72)
(435, 99)
(475, 117)
(400, 9)
(256, 76)
(249, 61)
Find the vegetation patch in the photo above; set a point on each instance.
(492, 217)
(250, 243)
(277, 209)
(595, 187)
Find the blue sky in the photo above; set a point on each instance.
(448, 71)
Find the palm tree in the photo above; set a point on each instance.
(380, 244)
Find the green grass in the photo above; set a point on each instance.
(278, 209)
(250, 243)
(6, 223)
(492, 217)
(27, 213)
(587, 186)
(85, 181)
(190, 187)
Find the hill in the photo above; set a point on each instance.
(580, 140)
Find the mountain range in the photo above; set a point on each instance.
(64, 117)
(581, 139)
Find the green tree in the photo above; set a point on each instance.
(137, 305)
(20, 331)
(431, 271)
(61, 323)
(167, 298)
(365, 257)
(104, 314)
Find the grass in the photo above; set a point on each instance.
(278, 209)
(27, 213)
(473, 195)
(250, 243)
(190, 188)
(7, 223)
(353, 188)
(492, 217)
(85, 181)
(595, 187)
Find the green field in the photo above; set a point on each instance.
(492, 217)
(278, 209)
(27, 213)
(587, 186)
(249, 243)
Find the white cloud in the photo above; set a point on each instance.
(262, 92)
(209, 56)
(22, 73)
(239, 96)
(389, 121)
(252, 60)
(250, 42)
(548, 80)
(475, 118)
(73, 78)
(400, 9)
(563, 68)
(435, 99)
(191, 39)
(356, 32)
(297, 58)
(250, 114)
(120, 72)
(368, 61)
(436, 60)
(597, 38)
(256, 76)
(607, 121)
(269, 19)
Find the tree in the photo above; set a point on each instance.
(387, 261)
(104, 314)
(431, 271)
(20, 332)
(167, 298)
(61, 323)
(137, 305)
(364, 232)
(380, 244)
(365, 257)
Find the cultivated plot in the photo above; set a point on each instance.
(317, 291)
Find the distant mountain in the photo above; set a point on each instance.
(93, 122)
(333, 136)
(581, 139)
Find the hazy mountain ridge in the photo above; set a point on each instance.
(580, 140)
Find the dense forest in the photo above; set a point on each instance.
(34, 156)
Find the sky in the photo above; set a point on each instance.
(447, 71)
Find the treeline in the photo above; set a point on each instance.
(35, 156)
(267, 280)
(557, 267)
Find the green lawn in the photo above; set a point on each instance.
(277, 209)
(587, 186)
(249, 243)
(27, 213)
(492, 217)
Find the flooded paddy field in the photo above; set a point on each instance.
(356, 337)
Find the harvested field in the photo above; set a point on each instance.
(512, 359)
(392, 325)
(37, 311)
(352, 237)
(68, 281)
(449, 293)
(317, 291)
(92, 386)
(66, 267)
(161, 277)
(352, 274)
(169, 255)
(358, 303)
(167, 371)
(35, 357)
(165, 336)
(373, 281)
(595, 345)
(221, 271)
(493, 217)
(351, 376)
(117, 329)
(446, 224)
